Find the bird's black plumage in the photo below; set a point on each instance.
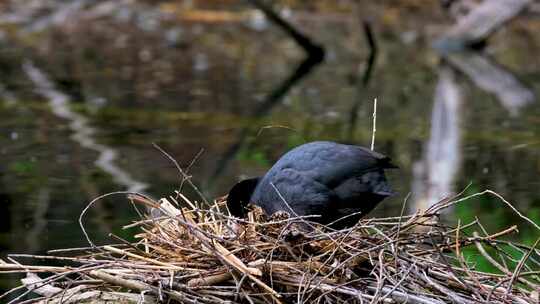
(318, 178)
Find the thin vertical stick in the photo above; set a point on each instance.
(374, 124)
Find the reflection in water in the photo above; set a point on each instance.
(83, 132)
(481, 20)
(435, 173)
(495, 79)
(263, 109)
(33, 236)
(474, 28)
(314, 56)
(353, 114)
(58, 17)
(102, 51)
(8, 97)
(41, 15)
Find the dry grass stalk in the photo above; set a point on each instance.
(193, 255)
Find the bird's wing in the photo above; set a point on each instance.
(356, 187)
(290, 189)
(325, 163)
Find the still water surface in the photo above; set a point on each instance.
(82, 102)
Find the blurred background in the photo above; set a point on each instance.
(226, 87)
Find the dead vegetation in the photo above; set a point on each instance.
(202, 255)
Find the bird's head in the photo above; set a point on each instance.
(240, 195)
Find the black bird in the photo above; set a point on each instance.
(318, 178)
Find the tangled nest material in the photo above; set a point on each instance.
(203, 255)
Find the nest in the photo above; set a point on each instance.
(203, 255)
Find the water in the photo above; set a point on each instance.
(81, 105)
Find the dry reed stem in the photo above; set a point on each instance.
(193, 255)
